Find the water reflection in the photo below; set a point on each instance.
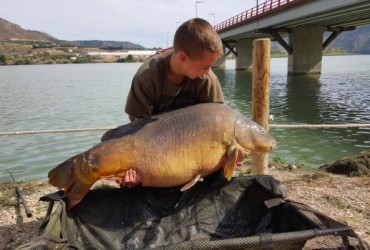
(237, 87)
(302, 97)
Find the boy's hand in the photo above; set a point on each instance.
(131, 179)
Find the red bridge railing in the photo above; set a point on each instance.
(263, 9)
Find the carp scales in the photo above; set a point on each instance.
(166, 150)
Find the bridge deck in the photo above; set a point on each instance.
(285, 14)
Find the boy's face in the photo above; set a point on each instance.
(194, 68)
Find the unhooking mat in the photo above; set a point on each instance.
(250, 212)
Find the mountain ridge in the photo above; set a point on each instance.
(356, 41)
(11, 31)
(106, 44)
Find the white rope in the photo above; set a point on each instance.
(30, 132)
(71, 130)
(348, 125)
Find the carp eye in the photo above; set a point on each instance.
(259, 129)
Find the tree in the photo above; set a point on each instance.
(129, 58)
(3, 58)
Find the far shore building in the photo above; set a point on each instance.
(137, 54)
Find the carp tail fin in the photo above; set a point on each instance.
(64, 176)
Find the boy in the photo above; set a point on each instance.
(177, 77)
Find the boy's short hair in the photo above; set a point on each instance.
(196, 36)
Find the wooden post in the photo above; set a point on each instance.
(261, 96)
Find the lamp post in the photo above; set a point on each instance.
(196, 7)
(167, 38)
(214, 18)
(177, 24)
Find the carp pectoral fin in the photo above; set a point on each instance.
(191, 183)
(232, 156)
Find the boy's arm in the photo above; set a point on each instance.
(140, 99)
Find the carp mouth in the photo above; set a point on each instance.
(260, 150)
(256, 150)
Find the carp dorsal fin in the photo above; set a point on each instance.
(191, 183)
(232, 156)
(127, 129)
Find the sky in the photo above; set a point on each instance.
(150, 23)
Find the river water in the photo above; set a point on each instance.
(44, 97)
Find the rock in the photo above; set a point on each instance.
(292, 167)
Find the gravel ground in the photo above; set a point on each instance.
(345, 199)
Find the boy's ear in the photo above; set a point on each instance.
(182, 56)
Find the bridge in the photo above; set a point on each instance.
(302, 21)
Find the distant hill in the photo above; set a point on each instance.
(106, 44)
(11, 31)
(356, 41)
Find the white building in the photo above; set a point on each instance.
(122, 54)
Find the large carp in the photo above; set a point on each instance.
(166, 150)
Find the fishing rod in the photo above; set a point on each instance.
(20, 196)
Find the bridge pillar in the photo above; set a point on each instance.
(244, 48)
(306, 57)
(220, 63)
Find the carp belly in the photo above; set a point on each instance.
(179, 169)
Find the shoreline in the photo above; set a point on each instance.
(90, 60)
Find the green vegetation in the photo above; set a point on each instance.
(22, 62)
(302, 161)
(86, 59)
(42, 45)
(278, 53)
(129, 58)
(335, 51)
(279, 159)
(22, 52)
(3, 58)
